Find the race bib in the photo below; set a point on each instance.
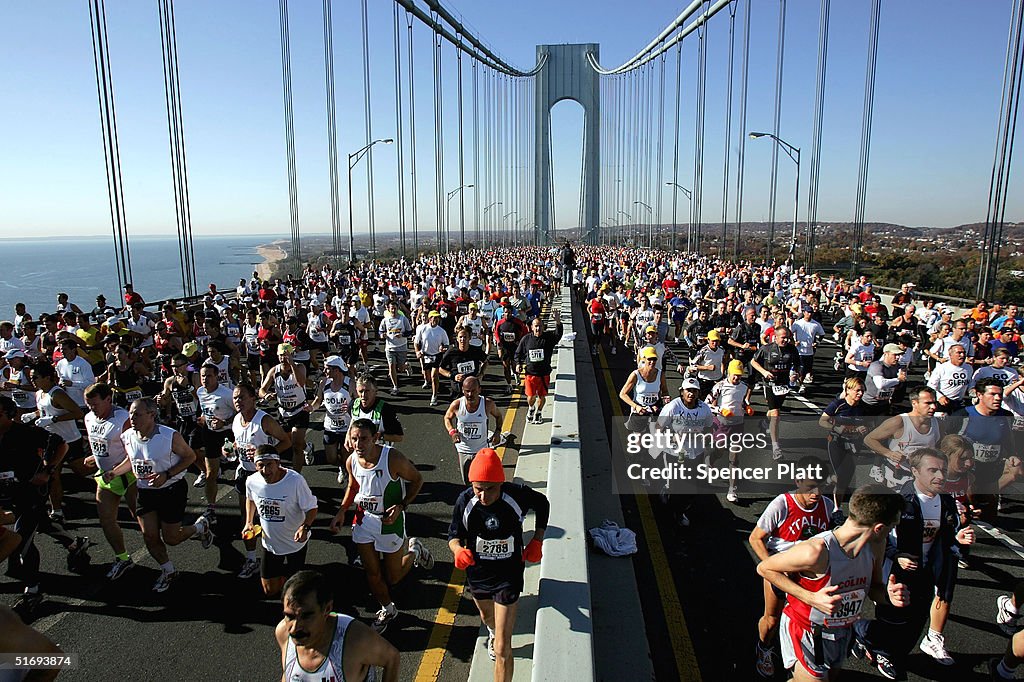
(1018, 423)
(142, 468)
(846, 611)
(132, 396)
(597, 317)
(270, 510)
(246, 452)
(6, 475)
(471, 430)
(648, 399)
(509, 337)
(99, 447)
(780, 389)
(19, 397)
(370, 503)
(535, 355)
(288, 403)
(495, 549)
(187, 410)
(986, 453)
(464, 368)
(345, 340)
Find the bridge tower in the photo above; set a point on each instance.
(568, 75)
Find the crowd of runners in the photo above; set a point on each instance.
(149, 402)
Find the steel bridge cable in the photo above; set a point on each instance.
(111, 153)
(819, 113)
(332, 128)
(438, 146)
(675, 148)
(728, 129)
(369, 128)
(399, 138)
(698, 190)
(775, 130)
(1005, 129)
(741, 155)
(661, 148)
(865, 133)
(462, 160)
(476, 156)
(289, 128)
(412, 143)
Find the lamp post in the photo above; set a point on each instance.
(689, 196)
(448, 217)
(504, 218)
(650, 213)
(353, 159)
(491, 205)
(628, 216)
(793, 153)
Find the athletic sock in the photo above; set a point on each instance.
(198, 525)
(123, 556)
(250, 555)
(34, 589)
(167, 567)
(933, 633)
(1003, 671)
(391, 608)
(490, 631)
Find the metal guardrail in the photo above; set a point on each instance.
(957, 301)
(564, 637)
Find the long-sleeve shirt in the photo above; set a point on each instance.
(535, 351)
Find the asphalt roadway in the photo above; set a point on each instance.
(213, 626)
(712, 570)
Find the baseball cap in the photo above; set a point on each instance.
(892, 348)
(713, 335)
(650, 328)
(433, 313)
(735, 367)
(190, 349)
(15, 353)
(689, 383)
(474, 306)
(336, 361)
(648, 353)
(285, 348)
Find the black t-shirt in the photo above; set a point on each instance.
(469, 362)
(779, 361)
(535, 351)
(494, 532)
(22, 452)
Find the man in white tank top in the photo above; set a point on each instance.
(333, 395)
(318, 644)
(159, 456)
(466, 422)
(104, 425)
(286, 382)
(897, 437)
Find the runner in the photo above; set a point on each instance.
(74, 372)
(806, 333)
(461, 361)
(105, 425)
(508, 332)
(124, 376)
(730, 401)
(382, 483)
(951, 379)
(466, 422)
(843, 417)
(368, 405)
(788, 519)
(778, 362)
(216, 413)
(708, 363)
(395, 329)
(318, 644)
(430, 342)
(689, 419)
(16, 383)
(337, 403)
(486, 539)
(833, 573)
(533, 356)
(286, 383)
(286, 508)
(158, 457)
(645, 391)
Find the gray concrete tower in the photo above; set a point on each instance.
(568, 75)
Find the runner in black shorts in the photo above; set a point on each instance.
(486, 538)
(778, 363)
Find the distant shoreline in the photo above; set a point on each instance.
(271, 254)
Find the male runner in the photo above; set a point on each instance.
(466, 422)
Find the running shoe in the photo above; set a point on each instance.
(993, 669)
(537, 418)
(433, 401)
(205, 534)
(1006, 616)
(876, 474)
(342, 476)
(164, 582)
(765, 665)
(425, 385)
(859, 649)
(384, 618)
(200, 480)
(732, 497)
(885, 667)
(614, 350)
(935, 646)
(57, 516)
(310, 455)
(250, 568)
(27, 603)
(490, 647)
(421, 555)
(683, 520)
(119, 568)
(394, 390)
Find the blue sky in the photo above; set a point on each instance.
(939, 76)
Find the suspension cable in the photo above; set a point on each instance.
(367, 115)
(728, 129)
(819, 113)
(332, 128)
(289, 129)
(675, 152)
(399, 138)
(865, 133)
(438, 151)
(658, 188)
(741, 155)
(775, 129)
(111, 148)
(462, 160)
(698, 175)
(476, 156)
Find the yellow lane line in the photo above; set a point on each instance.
(679, 634)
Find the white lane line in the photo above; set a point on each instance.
(999, 535)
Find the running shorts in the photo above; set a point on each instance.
(119, 485)
(167, 503)
(537, 386)
(816, 649)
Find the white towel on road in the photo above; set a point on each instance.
(613, 540)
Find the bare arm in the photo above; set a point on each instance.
(885, 432)
(274, 430)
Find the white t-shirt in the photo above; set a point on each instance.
(950, 380)
(281, 508)
(805, 333)
(931, 509)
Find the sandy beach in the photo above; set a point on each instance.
(271, 254)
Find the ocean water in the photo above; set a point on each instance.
(32, 271)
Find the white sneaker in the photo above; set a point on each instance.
(425, 385)
(342, 476)
(384, 618)
(614, 350)
(421, 555)
(119, 568)
(935, 646)
(490, 647)
(732, 497)
(200, 480)
(163, 583)
(1006, 616)
(876, 474)
(250, 568)
(205, 534)
(776, 452)
(433, 401)
(309, 455)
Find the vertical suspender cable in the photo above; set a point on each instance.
(660, 172)
(111, 149)
(442, 246)
(399, 139)
(698, 155)
(412, 143)
(742, 130)
(675, 151)
(819, 113)
(775, 130)
(332, 128)
(289, 132)
(865, 132)
(728, 128)
(476, 156)
(369, 128)
(649, 154)
(462, 161)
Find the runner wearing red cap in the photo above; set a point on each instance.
(486, 538)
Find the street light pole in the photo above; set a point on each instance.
(650, 212)
(353, 159)
(490, 206)
(794, 154)
(689, 197)
(448, 218)
(503, 219)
